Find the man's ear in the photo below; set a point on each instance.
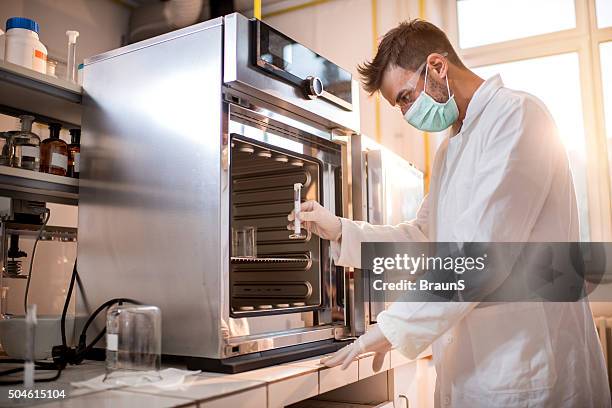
(438, 64)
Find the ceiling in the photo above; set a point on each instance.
(239, 5)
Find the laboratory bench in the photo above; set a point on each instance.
(307, 383)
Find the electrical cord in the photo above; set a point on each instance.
(63, 354)
(67, 303)
(38, 380)
(40, 232)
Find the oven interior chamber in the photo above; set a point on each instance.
(285, 276)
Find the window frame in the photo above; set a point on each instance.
(583, 40)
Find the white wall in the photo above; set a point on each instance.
(102, 24)
(341, 30)
(53, 261)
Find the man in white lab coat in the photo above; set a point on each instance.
(502, 175)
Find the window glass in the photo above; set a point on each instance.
(556, 81)
(605, 51)
(604, 13)
(490, 21)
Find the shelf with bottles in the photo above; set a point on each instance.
(50, 99)
(24, 149)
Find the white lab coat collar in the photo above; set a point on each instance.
(481, 98)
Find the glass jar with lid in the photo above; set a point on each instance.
(23, 146)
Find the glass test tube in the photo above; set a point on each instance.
(297, 204)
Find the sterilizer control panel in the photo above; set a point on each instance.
(284, 58)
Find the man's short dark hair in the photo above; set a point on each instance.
(406, 46)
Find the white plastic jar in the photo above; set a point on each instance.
(22, 45)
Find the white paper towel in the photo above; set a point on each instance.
(171, 378)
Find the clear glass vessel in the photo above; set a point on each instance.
(133, 345)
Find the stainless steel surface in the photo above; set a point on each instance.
(151, 186)
(216, 22)
(355, 205)
(173, 158)
(395, 188)
(240, 75)
(394, 192)
(249, 344)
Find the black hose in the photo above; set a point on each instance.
(38, 380)
(82, 348)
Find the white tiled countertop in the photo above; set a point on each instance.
(271, 387)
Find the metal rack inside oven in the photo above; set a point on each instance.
(286, 275)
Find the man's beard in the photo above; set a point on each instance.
(437, 90)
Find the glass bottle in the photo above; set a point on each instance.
(4, 146)
(24, 146)
(74, 150)
(54, 152)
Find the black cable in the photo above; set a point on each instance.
(82, 347)
(62, 355)
(40, 232)
(38, 380)
(67, 303)
(11, 371)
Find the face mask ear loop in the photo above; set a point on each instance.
(425, 85)
(448, 87)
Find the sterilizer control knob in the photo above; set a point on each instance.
(313, 87)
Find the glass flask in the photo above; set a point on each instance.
(54, 152)
(23, 146)
(133, 345)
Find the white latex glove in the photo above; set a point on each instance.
(318, 220)
(373, 341)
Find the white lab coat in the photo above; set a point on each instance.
(504, 177)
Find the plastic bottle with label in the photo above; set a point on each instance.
(23, 146)
(22, 45)
(54, 152)
(74, 149)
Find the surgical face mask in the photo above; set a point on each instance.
(430, 116)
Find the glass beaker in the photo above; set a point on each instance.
(244, 242)
(133, 345)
